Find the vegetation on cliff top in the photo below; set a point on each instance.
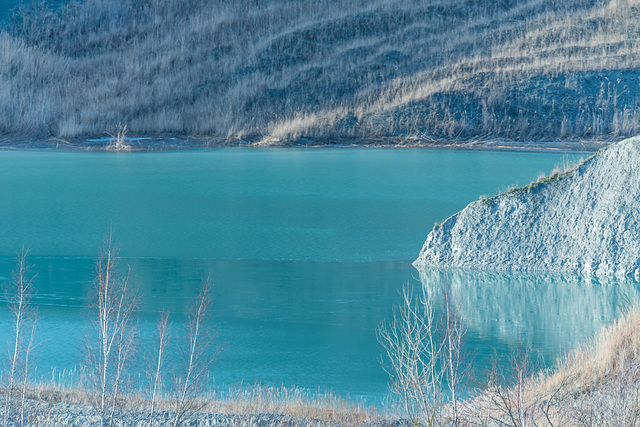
(325, 70)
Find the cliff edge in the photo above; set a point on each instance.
(584, 220)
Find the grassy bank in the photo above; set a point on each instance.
(49, 404)
(326, 70)
(597, 384)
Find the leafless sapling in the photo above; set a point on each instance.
(514, 404)
(24, 318)
(162, 336)
(112, 346)
(413, 350)
(198, 355)
(454, 331)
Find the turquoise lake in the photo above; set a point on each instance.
(308, 250)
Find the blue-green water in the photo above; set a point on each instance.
(307, 249)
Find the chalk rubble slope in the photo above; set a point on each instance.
(586, 220)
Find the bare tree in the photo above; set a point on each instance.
(198, 356)
(423, 350)
(514, 402)
(20, 294)
(413, 350)
(113, 344)
(162, 335)
(454, 333)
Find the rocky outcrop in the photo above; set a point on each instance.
(584, 220)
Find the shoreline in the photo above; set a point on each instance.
(172, 143)
(50, 404)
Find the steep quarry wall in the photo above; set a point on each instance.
(586, 220)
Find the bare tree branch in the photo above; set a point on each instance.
(198, 356)
(162, 335)
(113, 346)
(20, 294)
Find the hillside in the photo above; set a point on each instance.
(280, 71)
(584, 220)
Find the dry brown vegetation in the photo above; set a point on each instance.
(298, 407)
(597, 384)
(326, 70)
(600, 383)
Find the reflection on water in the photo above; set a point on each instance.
(309, 324)
(312, 324)
(551, 313)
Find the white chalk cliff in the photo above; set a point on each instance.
(585, 220)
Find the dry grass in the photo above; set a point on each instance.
(284, 70)
(119, 140)
(598, 384)
(610, 355)
(293, 403)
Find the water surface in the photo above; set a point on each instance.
(307, 249)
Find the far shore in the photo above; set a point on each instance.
(174, 143)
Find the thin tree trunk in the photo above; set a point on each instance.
(198, 357)
(25, 379)
(116, 304)
(21, 291)
(162, 340)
